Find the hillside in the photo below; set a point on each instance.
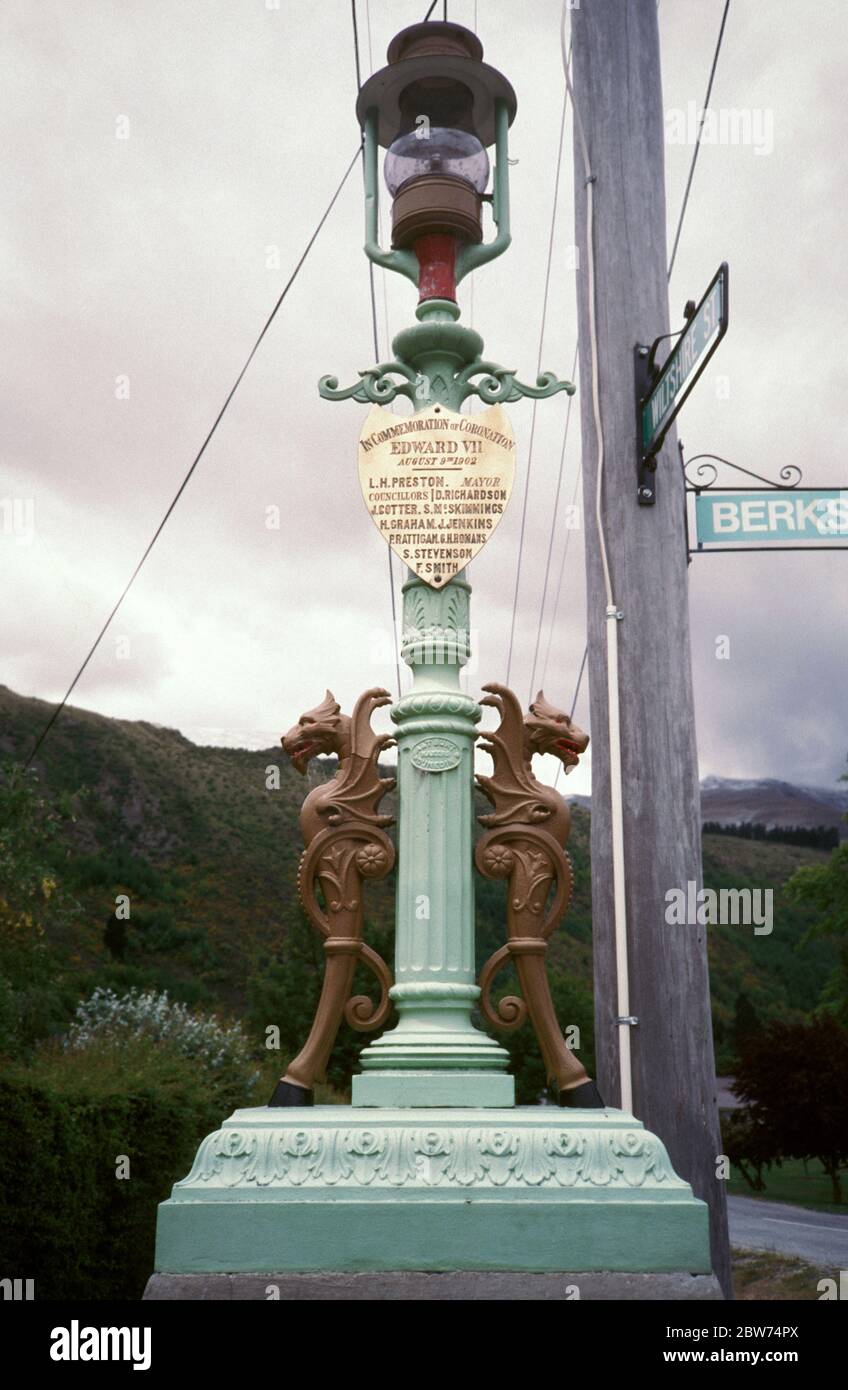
(767, 801)
(771, 802)
(206, 852)
(208, 856)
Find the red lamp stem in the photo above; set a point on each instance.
(436, 254)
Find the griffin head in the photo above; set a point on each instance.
(321, 730)
(548, 730)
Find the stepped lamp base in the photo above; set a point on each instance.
(422, 1089)
(345, 1189)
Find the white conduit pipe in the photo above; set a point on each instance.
(613, 617)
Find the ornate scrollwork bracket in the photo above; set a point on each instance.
(705, 476)
(498, 385)
(524, 844)
(375, 386)
(346, 845)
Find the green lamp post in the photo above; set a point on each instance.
(436, 108)
(433, 1167)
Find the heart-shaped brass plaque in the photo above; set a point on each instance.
(436, 484)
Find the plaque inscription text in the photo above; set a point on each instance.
(436, 484)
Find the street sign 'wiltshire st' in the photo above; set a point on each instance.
(791, 517)
(698, 342)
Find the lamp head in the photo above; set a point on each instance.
(435, 105)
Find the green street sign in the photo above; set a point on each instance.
(697, 343)
(787, 517)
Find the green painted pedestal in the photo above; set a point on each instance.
(338, 1188)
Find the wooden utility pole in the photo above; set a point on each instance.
(616, 75)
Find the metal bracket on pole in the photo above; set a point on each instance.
(660, 392)
(646, 465)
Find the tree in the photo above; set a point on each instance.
(745, 1021)
(115, 936)
(825, 887)
(749, 1144)
(794, 1077)
(36, 911)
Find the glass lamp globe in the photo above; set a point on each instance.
(453, 153)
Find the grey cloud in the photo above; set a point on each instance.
(147, 257)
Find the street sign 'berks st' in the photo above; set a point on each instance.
(793, 518)
(659, 395)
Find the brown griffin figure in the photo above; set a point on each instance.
(525, 841)
(345, 844)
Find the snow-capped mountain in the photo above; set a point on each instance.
(767, 801)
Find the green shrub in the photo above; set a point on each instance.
(66, 1219)
(124, 1020)
(119, 867)
(36, 914)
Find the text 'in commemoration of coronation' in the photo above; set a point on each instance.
(436, 484)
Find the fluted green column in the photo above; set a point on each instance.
(435, 1056)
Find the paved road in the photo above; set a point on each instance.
(816, 1236)
(725, 1095)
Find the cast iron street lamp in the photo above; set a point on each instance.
(435, 109)
(432, 1166)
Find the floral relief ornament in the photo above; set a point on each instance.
(402, 1156)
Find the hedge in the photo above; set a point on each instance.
(66, 1220)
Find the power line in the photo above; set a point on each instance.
(698, 140)
(552, 534)
(670, 268)
(376, 341)
(574, 703)
(383, 275)
(198, 456)
(370, 263)
(473, 276)
(579, 680)
(552, 627)
(559, 156)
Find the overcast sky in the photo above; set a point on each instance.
(166, 162)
